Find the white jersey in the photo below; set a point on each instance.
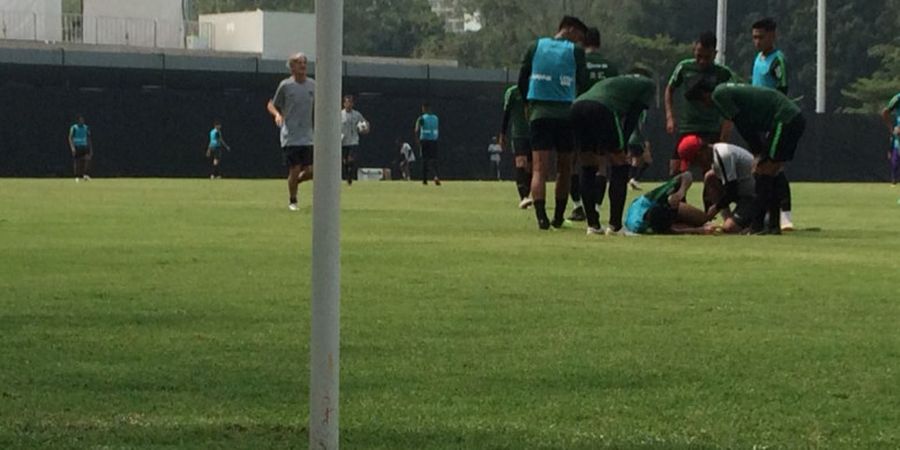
(733, 163)
(408, 152)
(349, 123)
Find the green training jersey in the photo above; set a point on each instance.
(623, 94)
(756, 107)
(894, 105)
(694, 116)
(514, 105)
(599, 68)
(554, 110)
(637, 136)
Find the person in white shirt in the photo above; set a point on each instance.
(407, 157)
(730, 182)
(494, 151)
(352, 125)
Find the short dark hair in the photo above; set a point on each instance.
(425, 105)
(592, 37)
(660, 217)
(708, 40)
(573, 22)
(767, 24)
(217, 122)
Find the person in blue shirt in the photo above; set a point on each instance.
(214, 150)
(82, 148)
(891, 115)
(770, 70)
(427, 133)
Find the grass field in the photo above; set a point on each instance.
(175, 314)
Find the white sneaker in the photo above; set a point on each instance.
(293, 207)
(87, 178)
(635, 185)
(591, 231)
(621, 232)
(526, 203)
(78, 180)
(786, 223)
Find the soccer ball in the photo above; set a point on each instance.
(363, 127)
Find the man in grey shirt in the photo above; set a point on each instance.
(352, 125)
(292, 109)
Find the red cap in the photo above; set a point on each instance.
(688, 148)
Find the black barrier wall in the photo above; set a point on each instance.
(153, 123)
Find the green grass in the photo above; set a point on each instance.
(175, 314)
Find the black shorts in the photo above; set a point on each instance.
(521, 147)
(349, 152)
(429, 150)
(552, 134)
(709, 138)
(298, 155)
(596, 128)
(783, 140)
(215, 152)
(82, 152)
(743, 211)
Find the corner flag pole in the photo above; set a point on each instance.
(820, 57)
(324, 343)
(721, 31)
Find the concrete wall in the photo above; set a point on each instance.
(156, 23)
(236, 32)
(39, 20)
(287, 33)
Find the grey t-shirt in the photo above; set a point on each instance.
(295, 102)
(349, 131)
(733, 163)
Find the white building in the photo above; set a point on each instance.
(143, 23)
(456, 20)
(33, 20)
(274, 35)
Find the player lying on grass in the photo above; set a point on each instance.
(662, 211)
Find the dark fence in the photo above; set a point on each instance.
(155, 123)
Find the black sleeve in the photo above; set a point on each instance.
(731, 195)
(525, 74)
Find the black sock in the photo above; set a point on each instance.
(351, 168)
(592, 189)
(293, 199)
(540, 211)
(783, 189)
(523, 183)
(559, 211)
(575, 188)
(618, 191)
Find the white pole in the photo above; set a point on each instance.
(821, 60)
(721, 31)
(324, 382)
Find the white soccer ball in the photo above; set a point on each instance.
(363, 127)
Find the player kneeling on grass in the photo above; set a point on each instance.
(662, 210)
(602, 117)
(772, 125)
(214, 150)
(729, 182)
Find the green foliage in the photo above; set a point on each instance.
(872, 93)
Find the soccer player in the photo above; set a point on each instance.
(769, 70)
(352, 125)
(553, 73)
(214, 150)
(515, 133)
(664, 211)
(407, 157)
(82, 147)
(891, 115)
(772, 125)
(494, 151)
(427, 132)
(292, 110)
(693, 117)
(602, 117)
(598, 69)
(729, 182)
(640, 151)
